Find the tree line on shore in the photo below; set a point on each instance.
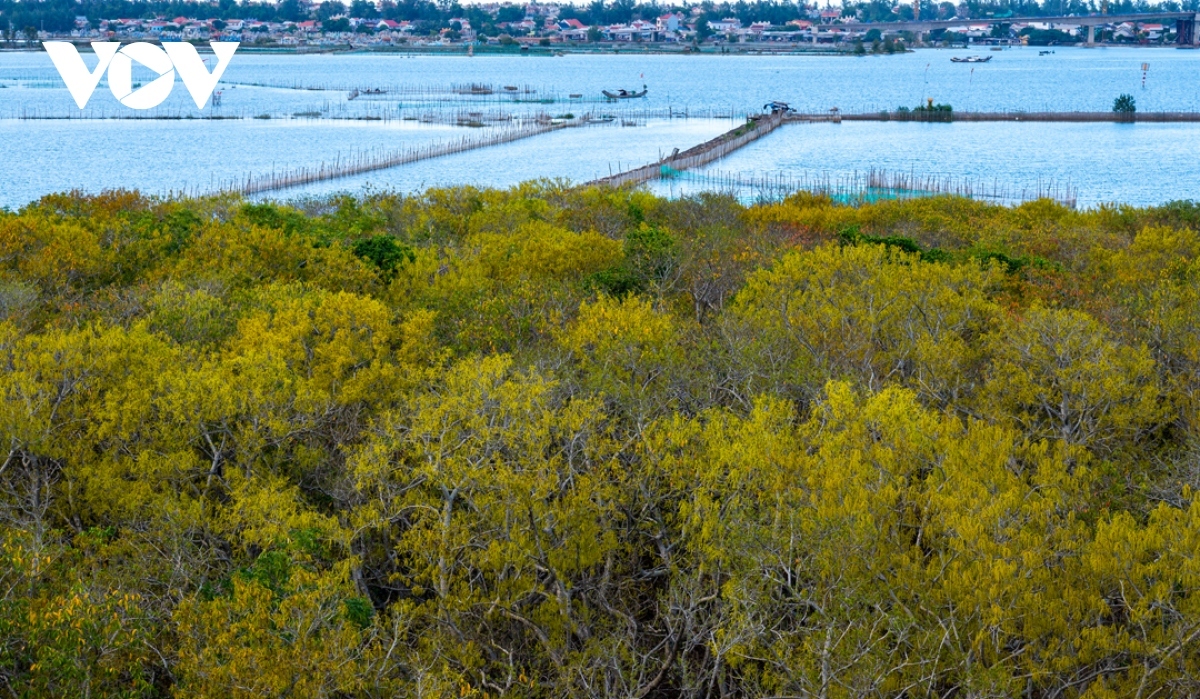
(59, 16)
(553, 441)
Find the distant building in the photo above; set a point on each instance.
(670, 22)
(636, 30)
(571, 30)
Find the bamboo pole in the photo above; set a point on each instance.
(361, 162)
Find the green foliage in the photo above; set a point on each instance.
(282, 218)
(1124, 104)
(650, 251)
(615, 281)
(385, 253)
(853, 236)
(651, 259)
(359, 611)
(1013, 265)
(271, 570)
(181, 225)
(926, 112)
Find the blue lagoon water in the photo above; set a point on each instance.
(312, 121)
(1100, 163)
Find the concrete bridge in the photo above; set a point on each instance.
(1185, 24)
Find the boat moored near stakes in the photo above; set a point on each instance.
(624, 94)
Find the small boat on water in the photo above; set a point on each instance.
(971, 59)
(624, 94)
(1045, 53)
(355, 93)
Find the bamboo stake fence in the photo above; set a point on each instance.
(368, 161)
(853, 188)
(871, 185)
(444, 112)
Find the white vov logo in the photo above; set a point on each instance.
(178, 57)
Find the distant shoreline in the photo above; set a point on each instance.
(576, 50)
(546, 51)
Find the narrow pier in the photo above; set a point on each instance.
(943, 117)
(367, 162)
(697, 156)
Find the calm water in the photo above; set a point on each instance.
(579, 155)
(1141, 163)
(1098, 163)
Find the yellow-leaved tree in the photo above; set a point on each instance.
(869, 313)
(487, 494)
(1059, 375)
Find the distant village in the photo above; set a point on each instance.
(546, 25)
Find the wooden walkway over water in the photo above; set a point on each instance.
(950, 117)
(760, 126)
(697, 156)
(756, 127)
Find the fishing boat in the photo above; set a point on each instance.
(624, 94)
(971, 59)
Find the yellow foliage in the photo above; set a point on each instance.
(240, 461)
(1059, 376)
(870, 313)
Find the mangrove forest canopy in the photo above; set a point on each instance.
(563, 442)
